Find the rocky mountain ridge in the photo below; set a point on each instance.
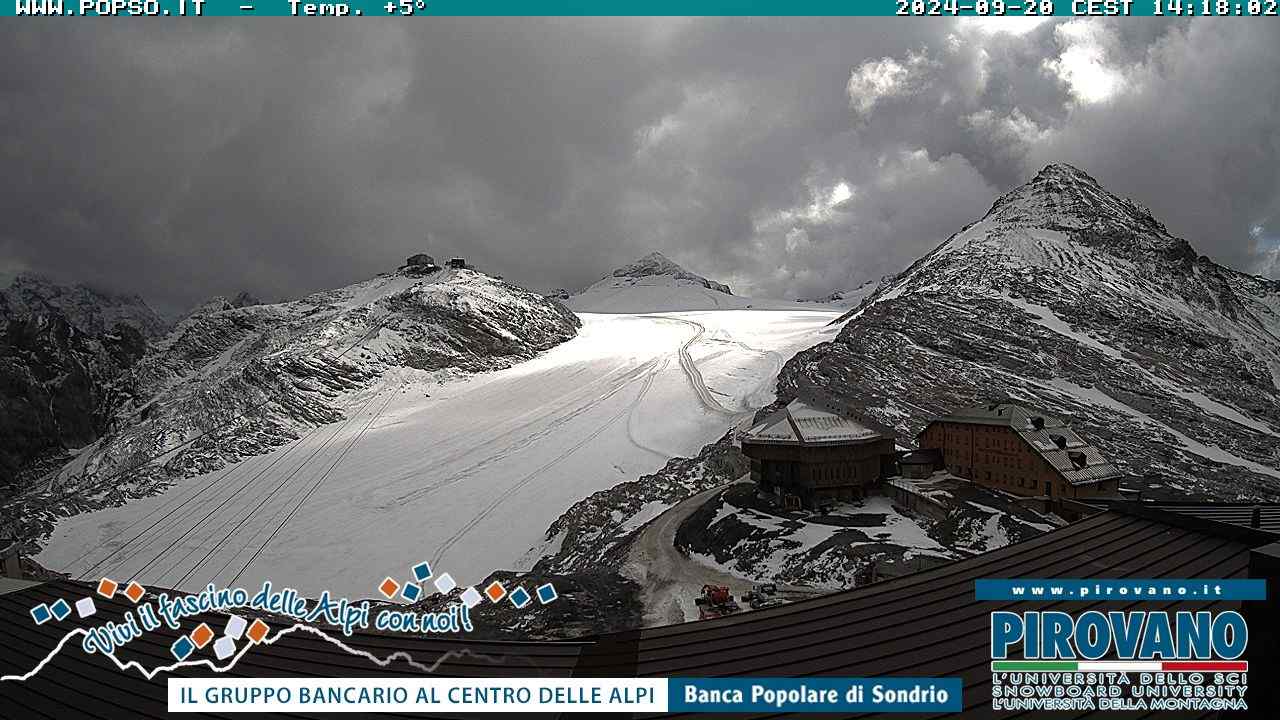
(652, 283)
(63, 351)
(1069, 298)
(1063, 296)
(234, 379)
(91, 311)
(655, 264)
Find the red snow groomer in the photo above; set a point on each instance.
(716, 601)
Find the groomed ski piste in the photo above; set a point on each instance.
(466, 473)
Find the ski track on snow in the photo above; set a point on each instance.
(474, 469)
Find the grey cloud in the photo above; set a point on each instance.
(208, 158)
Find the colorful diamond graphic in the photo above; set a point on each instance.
(495, 591)
(107, 588)
(470, 597)
(411, 591)
(257, 631)
(41, 614)
(235, 627)
(388, 588)
(547, 593)
(520, 597)
(445, 583)
(134, 592)
(422, 572)
(182, 648)
(224, 648)
(202, 635)
(85, 607)
(60, 609)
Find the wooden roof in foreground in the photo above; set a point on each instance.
(924, 624)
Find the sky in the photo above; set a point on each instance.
(786, 157)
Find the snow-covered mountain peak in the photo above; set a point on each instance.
(1067, 297)
(89, 310)
(1064, 197)
(1064, 171)
(655, 264)
(654, 283)
(1062, 230)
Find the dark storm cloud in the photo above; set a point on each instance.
(788, 157)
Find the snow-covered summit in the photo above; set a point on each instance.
(1070, 298)
(1063, 196)
(89, 310)
(654, 283)
(655, 264)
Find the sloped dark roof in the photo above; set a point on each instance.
(800, 423)
(1240, 514)
(924, 624)
(921, 456)
(1002, 413)
(1047, 434)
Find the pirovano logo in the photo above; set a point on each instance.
(1122, 660)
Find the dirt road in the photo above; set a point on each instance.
(672, 580)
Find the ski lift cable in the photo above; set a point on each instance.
(265, 498)
(206, 433)
(317, 484)
(182, 517)
(286, 479)
(80, 489)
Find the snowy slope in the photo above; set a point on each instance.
(229, 382)
(464, 470)
(1071, 298)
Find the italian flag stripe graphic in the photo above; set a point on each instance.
(1118, 666)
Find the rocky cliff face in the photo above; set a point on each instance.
(92, 312)
(63, 352)
(1068, 297)
(235, 379)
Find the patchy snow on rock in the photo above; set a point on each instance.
(1064, 286)
(647, 512)
(741, 534)
(429, 457)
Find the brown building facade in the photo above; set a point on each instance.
(807, 456)
(1018, 450)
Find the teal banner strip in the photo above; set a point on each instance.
(428, 8)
